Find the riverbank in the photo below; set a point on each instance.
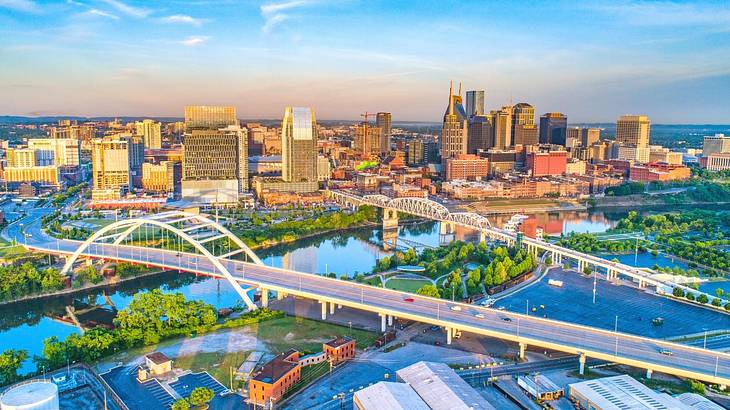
(522, 206)
(270, 244)
(643, 201)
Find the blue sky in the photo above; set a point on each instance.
(593, 61)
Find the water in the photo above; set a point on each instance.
(25, 325)
(646, 260)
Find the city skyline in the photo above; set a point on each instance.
(109, 58)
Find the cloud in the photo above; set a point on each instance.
(27, 6)
(666, 13)
(127, 9)
(274, 13)
(183, 19)
(193, 41)
(99, 13)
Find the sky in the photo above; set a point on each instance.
(593, 61)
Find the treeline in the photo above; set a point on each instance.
(24, 280)
(589, 243)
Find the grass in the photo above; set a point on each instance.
(374, 281)
(217, 364)
(309, 374)
(10, 252)
(406, 285)
(306, 335)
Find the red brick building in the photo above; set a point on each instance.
(269, 383)
(466, 167)
(546, 163)
(339, 350)
(658, 172)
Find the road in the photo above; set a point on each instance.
(709, 366)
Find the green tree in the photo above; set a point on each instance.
(201, 395)
(678, 292)
(719, 292)
(716, 302)
(10, 361)
(702, 298)
(181, 404)
(428, 290)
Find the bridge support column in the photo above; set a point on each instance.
(332, 308)
(264, 297)
(449, 334)
(324, 309)
(390, 320)
(280, 295)
(482, 236)
(648, 373)
(382, 321)
(339, 306)
(582, 363)
(523, 347)
(390, 218)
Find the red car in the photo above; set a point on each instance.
(408, 300)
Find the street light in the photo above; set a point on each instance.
(615, 330)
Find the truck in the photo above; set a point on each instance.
(555, 282)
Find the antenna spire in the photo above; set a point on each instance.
(451, 98)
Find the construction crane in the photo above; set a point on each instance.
(368, 114)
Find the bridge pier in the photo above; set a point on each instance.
(332, 308)
(264, 297)
(324, 309)
(649, 373)
(582, 364)
(382, 321)
(390, 320)
(482, 236)
(390, 218)
(280, 295)
(449, 334)
(523, 347)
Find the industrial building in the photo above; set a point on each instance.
(388, 396)
(441, 388)
(34, 395)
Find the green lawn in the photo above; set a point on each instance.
(306, 335)
(406, 285)
(218, 364)
(10, 252)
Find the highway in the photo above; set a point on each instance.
(687, 361)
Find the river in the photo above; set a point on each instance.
(25, 325)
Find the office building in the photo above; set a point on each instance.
(454, 132)
(163, 178)
(503, 127)
(383, 121)
(474, 103)
(546, 163)
(481, 133)
(149, 130)
(66, 151)
(466, 167)
(367, 140)
(633, 153)
(20, 157)
(553, 127)
(215, 165)
(589, 136)
(633, 130)
(525, 134)
(661, 154)
(299, 145)
(135, 143)
(717, 144)
(501, 161)
(209, 117)
(110, 167)
(422, 152)
(718, 161)
(522, 114)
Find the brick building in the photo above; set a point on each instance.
(339, 350)
(466, 167)
(658, 172)
(269, 383)
(546, 163)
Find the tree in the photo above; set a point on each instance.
(716, 302)
(200, 396)
(428, 290)
(719, 292)
(678, 292)
(10, 361)
(702, 298)
(182, 404)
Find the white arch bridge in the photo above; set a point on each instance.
(198, 244)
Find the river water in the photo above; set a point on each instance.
(25, 325)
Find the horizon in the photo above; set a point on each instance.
(105, 57)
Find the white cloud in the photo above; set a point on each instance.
(274, 13)
(20, 5)
(127, 9)
(99, 13)
(183, 19)
(193, 41)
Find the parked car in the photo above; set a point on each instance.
(456, 308)
(506, 319)
(479, 315)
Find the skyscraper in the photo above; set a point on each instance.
(384, 122)
(209, 117)
(633, 130)
(481, 133)
(474, 102)
(454, 132)
(149, 130)
(503, 128)
(299, 145)
(110, 167)
(553, 127)
(525, 134)
(368, 139)
(522, 113)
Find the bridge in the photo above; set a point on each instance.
(429, 209)
(195, 243)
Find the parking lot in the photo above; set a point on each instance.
(573, 302)
(149, 395)
(187, 383)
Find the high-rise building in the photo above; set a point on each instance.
(553, 127)
(422, 152)
(215, 165)
(163, 178)
(503, 128)
(522, 114)
(299, 145)
(149, 130)
(590, 136)
(481, 133)
(474, 103)
(67, 151)
(633, 130)
(209, 117)
(110, 167)
(20, 157)
(717, 144)
(525, 134)
(136, 158)
(367, 140)
(384, 121)
(454, 133)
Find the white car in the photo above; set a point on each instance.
(456, 308)
(479, 315)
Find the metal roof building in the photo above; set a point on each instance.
(441, 388)
(698, 402)
(388, 396)
(622, 393)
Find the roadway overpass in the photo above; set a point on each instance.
(426, 208)
(686, 361)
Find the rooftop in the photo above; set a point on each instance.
(624, 393)
(441, 388)
(389, 396)
(277, 368)
(339, 341)
(157, 358)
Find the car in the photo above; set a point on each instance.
(501, 308)
(435, 328)
(437, 343)
(408, 300)
(456, 308)
(665, 352)
(479, 315)
(506, 319)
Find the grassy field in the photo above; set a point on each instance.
(306, 335)
(10, 252)
(218, 364)
(406, 285)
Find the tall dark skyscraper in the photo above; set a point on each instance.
(384, 122)
(481, 133)
(553, 126)
(454, 132)
(474, 102)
